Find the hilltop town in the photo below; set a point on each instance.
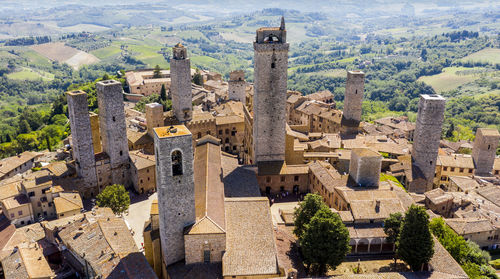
(222, 173)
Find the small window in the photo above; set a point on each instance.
(12, 215)
(282, 179)
(452, 169)
(273, 65)
(220, 132)
(176, 163)
(114, 119)
(461, 170)
(296, 178)
(268, 179)
(20, 212)
(121, 153)
(445, 168)
(31, 194)
(470, 170)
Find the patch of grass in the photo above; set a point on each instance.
(204, 61)
(451, 78)
(36, 58)
(30, 74)
(106, 52)
(387, 177)
(490, 55)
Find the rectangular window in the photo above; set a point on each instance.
(452, 169)
(31, 194)
(296, 178)
(461, 170)
(470, 170)
(282, 178)
(20, 213)
(12, 215)
(445, 168)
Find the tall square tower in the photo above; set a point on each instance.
(353, 99)
(113, 129)
(365, 167)
(175, 186)
(154, 117)
(484, 150)
(428, 134)
(180, 87)
(81, 132)
(237, 86)
(270, 86)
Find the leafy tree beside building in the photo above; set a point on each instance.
(115, 197)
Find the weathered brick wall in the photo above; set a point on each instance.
(353, 99)
(484, 151)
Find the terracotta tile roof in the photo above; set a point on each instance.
(327, 175)
(359, 231)
(58, 169)
(138, 138)
(456, 161)
(491, 193)
(437, 196)
(15, 202)
(9, 190)
(141, 160)
(464, 183)
(320, 95)
(209, 189)
(464, 226)
(250, 243)
(9, 164)
(375, 209)
(67, 202)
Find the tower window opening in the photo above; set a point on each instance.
(489, 146)
(114, 119)
(176, 163)
(273, 65)
(430, 163)
(356, 91)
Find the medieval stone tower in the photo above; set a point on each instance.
(83, 149)
(154, 117)
(353, 99)
(113, 129)
(175, 186)
(180, 88)
(270, 85)
(237, 86)
(427, 134)
(484, 150)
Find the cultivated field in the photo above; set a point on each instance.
(64, 54)
(451, 78)
(31, 74)
(490, 55)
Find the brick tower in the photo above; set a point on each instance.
(484, 150)
(427, 134)
(175, 186)
(353, 99)
(180, 88)
(154, 117)
(83, 149)
(113, 129)
(237, 86)
(270, 85)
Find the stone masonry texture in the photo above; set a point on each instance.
(237, 86)
(180, 88)
(83, 150)
(484, 150)
(428, 133)
(270, 77)
(113, 129)
(175, 194)
(353, 100)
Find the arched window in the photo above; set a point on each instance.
(176, 163)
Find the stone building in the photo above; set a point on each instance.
(484, 150)
(426, 138)
(248, 147)
(452, 165)
(17, 164)
(83, 149)
(142, 172)
(279, 178)
(203, 123)
(180, 89)
(353, 99)
(154, 117)
(113, 127)
(144, 83)
(175, 186)
(230, 125)
(152, 246)
(365, 167)
(205, 241)
(270, 83)
(237, 86)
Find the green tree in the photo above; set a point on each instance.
(106, 77)
(114, 197)
(24, 127)
(415, 245)
(27, 141)
(163, 93)
(157, 72)
(198, 78)
(392, 226)
(325, 241)
(306, 210)
(449, 132)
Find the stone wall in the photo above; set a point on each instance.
(196, 244)
(237, 86)
(353, 99)
(428, 134)
(175, 194)
(180, 89)
(113, 129)
(365, 167)
(484, 150)
(83, 149)
(269, 104)
(154, 117)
